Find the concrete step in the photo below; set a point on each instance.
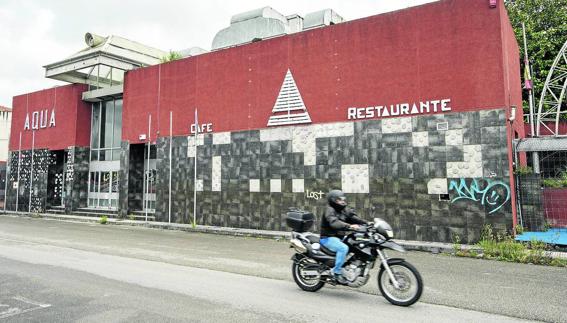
(56, 210)
(95, 212)
(141, 216)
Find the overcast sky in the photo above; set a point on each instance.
(38, 32)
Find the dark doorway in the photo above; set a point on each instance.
(56, 179)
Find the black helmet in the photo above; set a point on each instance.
(335, 195)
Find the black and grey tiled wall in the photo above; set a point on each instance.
(31, 180)
(49, 185)
(432, 177)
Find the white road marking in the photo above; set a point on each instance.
(13, 311)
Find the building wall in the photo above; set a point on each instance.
(37, 175)
(399, 167)
(76, 178)
(448, 49)
(432, 174)
(513, 95)
(31, 175)
(62, 119)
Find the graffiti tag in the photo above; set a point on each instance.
(494, 194)
(314, 195)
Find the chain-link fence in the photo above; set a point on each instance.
(543, 196)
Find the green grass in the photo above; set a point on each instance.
(505, 248)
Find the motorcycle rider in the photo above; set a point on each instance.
(336, 220)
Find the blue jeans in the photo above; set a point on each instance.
(335, 244)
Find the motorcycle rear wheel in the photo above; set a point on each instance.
(309, 285)
(409, 279)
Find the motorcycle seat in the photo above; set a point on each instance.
(315, 239)
(328, 251)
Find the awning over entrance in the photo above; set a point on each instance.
(542, 144)
(104, 62)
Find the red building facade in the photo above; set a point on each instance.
(411, 113)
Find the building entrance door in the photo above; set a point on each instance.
(103, 185)
(149, 185)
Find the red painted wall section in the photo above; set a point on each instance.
(447, 49)
(512, 95)
(512, 81)
(555, 205)
(543, 130)
(137, 108)
(72, 118)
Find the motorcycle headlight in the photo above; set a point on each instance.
(383, 228)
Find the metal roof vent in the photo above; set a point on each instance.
(321, 18)
(251, 25)
(259, 24)
(192, 51)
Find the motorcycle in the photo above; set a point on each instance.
(399, 281)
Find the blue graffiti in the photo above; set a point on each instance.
(492, 195)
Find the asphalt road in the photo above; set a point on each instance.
(76, 264)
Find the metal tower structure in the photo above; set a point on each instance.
(553, 100)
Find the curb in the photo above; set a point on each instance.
(433, 247)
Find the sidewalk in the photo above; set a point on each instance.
(433, 247)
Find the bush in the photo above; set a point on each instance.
(505, 248)
(559, 182)
(555, 183)
(172, 56)
(523, 170)
(103, 219)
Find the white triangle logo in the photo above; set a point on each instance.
(289, 107)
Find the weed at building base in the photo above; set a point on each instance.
(505, 248)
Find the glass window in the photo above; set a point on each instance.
(116, 154)
(104, 182)
(151, 181)
(117, 123)
(106, 129)
(103, 75)
(95, 126)
(117, 76)
(93, 182)
(108, 124)
(114, 182)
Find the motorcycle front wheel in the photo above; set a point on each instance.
(306, 278)
(409, 280)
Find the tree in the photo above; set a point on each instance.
(546, 32)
